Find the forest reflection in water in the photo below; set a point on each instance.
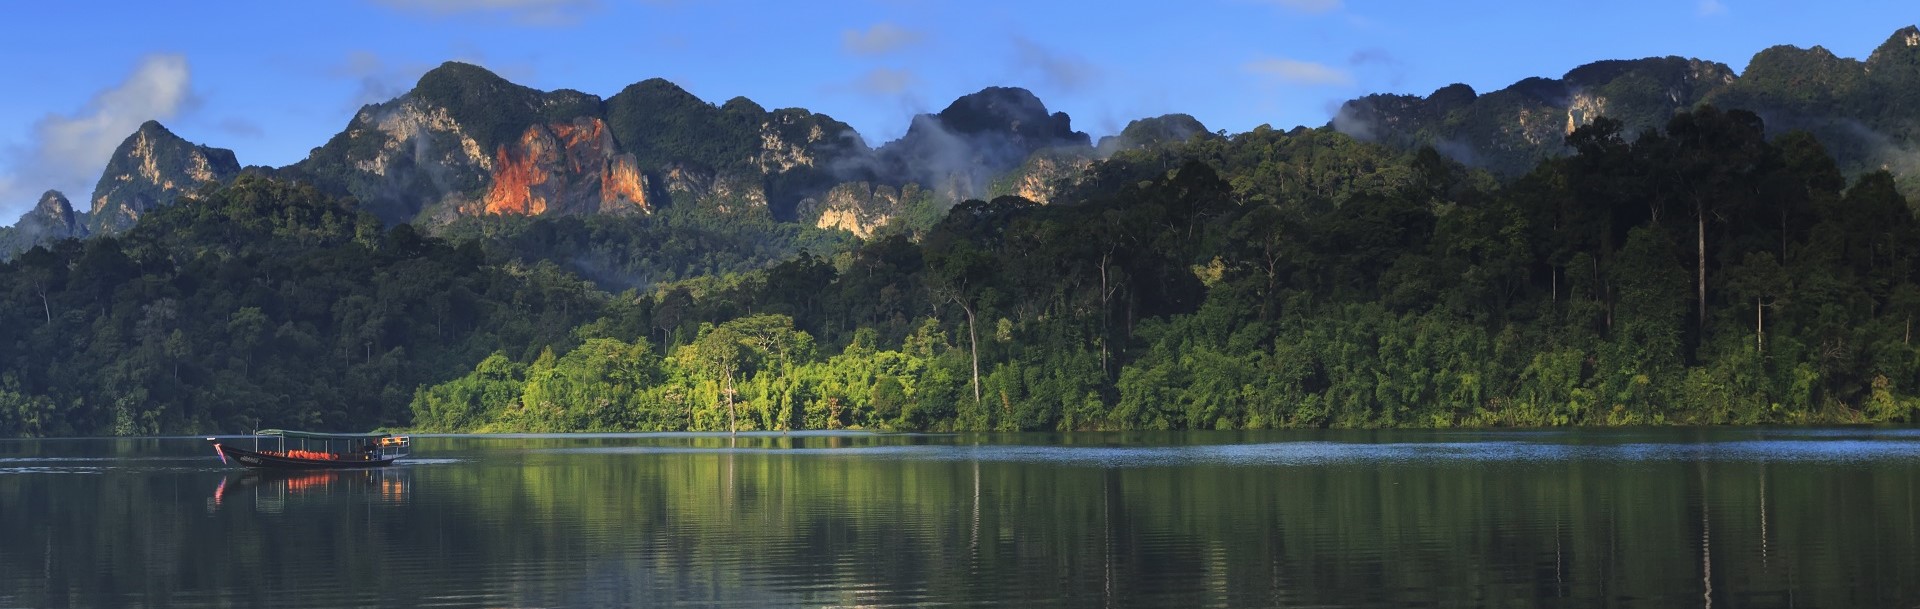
(1723, 517)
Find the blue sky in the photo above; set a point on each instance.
(271, 80)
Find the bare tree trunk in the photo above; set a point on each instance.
(44, 307)
(1783, 234)
(1700, 208)
(1759, 326)
(1605, 295)
(732, 428)
(1103, 310)
(973, 343)
(1106, 308)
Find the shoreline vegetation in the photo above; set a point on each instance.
(1700, 274)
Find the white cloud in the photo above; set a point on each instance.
(528, 12)
(13, 201)
(379, 80)
(68, 152)
(1059, 70)
(241, 127)
(1296, 72)
(1308, 6)
(886, 81)
(881, 39)
(1711, 8)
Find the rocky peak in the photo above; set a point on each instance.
(51, 220)
(1151, 132)
(1453, 96)
(1906, 38)
(152, 168)
(1897, 59)
(54, 208)
(1794, 80)
(458, 85)
(493, 110)
(792, 138)
(438, 146)
(1782, 63)
(1010, 111)
(958, 151)
(654, 117)
(1860, 110)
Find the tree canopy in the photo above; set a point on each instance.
(1700, 273)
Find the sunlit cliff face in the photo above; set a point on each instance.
(565, 168)
(622, 183)
(858, 208)
(1040, 177)
(517, 176)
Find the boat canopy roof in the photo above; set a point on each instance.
(308, 435)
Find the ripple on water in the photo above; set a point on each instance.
(1842, 448)
(29, 469)
(415, 461)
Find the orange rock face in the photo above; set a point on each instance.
(621, 182)
(514, 180)
(565, 168)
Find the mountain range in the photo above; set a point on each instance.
(466, 142)
(1867, 113)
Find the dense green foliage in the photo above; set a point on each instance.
(259, 303)
(633, 251)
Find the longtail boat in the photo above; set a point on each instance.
(283, 449)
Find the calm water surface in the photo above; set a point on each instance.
(1636, 518)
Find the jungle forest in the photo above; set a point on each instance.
(1703, 273)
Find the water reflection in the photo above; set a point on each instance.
(1834, 449)
(269, 490)
(1618, 518)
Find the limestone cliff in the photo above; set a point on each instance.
(687, 184)
(861, 207)
(436, 147)
(152, 168)
(466, 142)
(564, 168)
(399, 158)
(1043, 175)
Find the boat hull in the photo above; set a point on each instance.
(259, 460)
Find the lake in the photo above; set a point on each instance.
(1749, 517)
